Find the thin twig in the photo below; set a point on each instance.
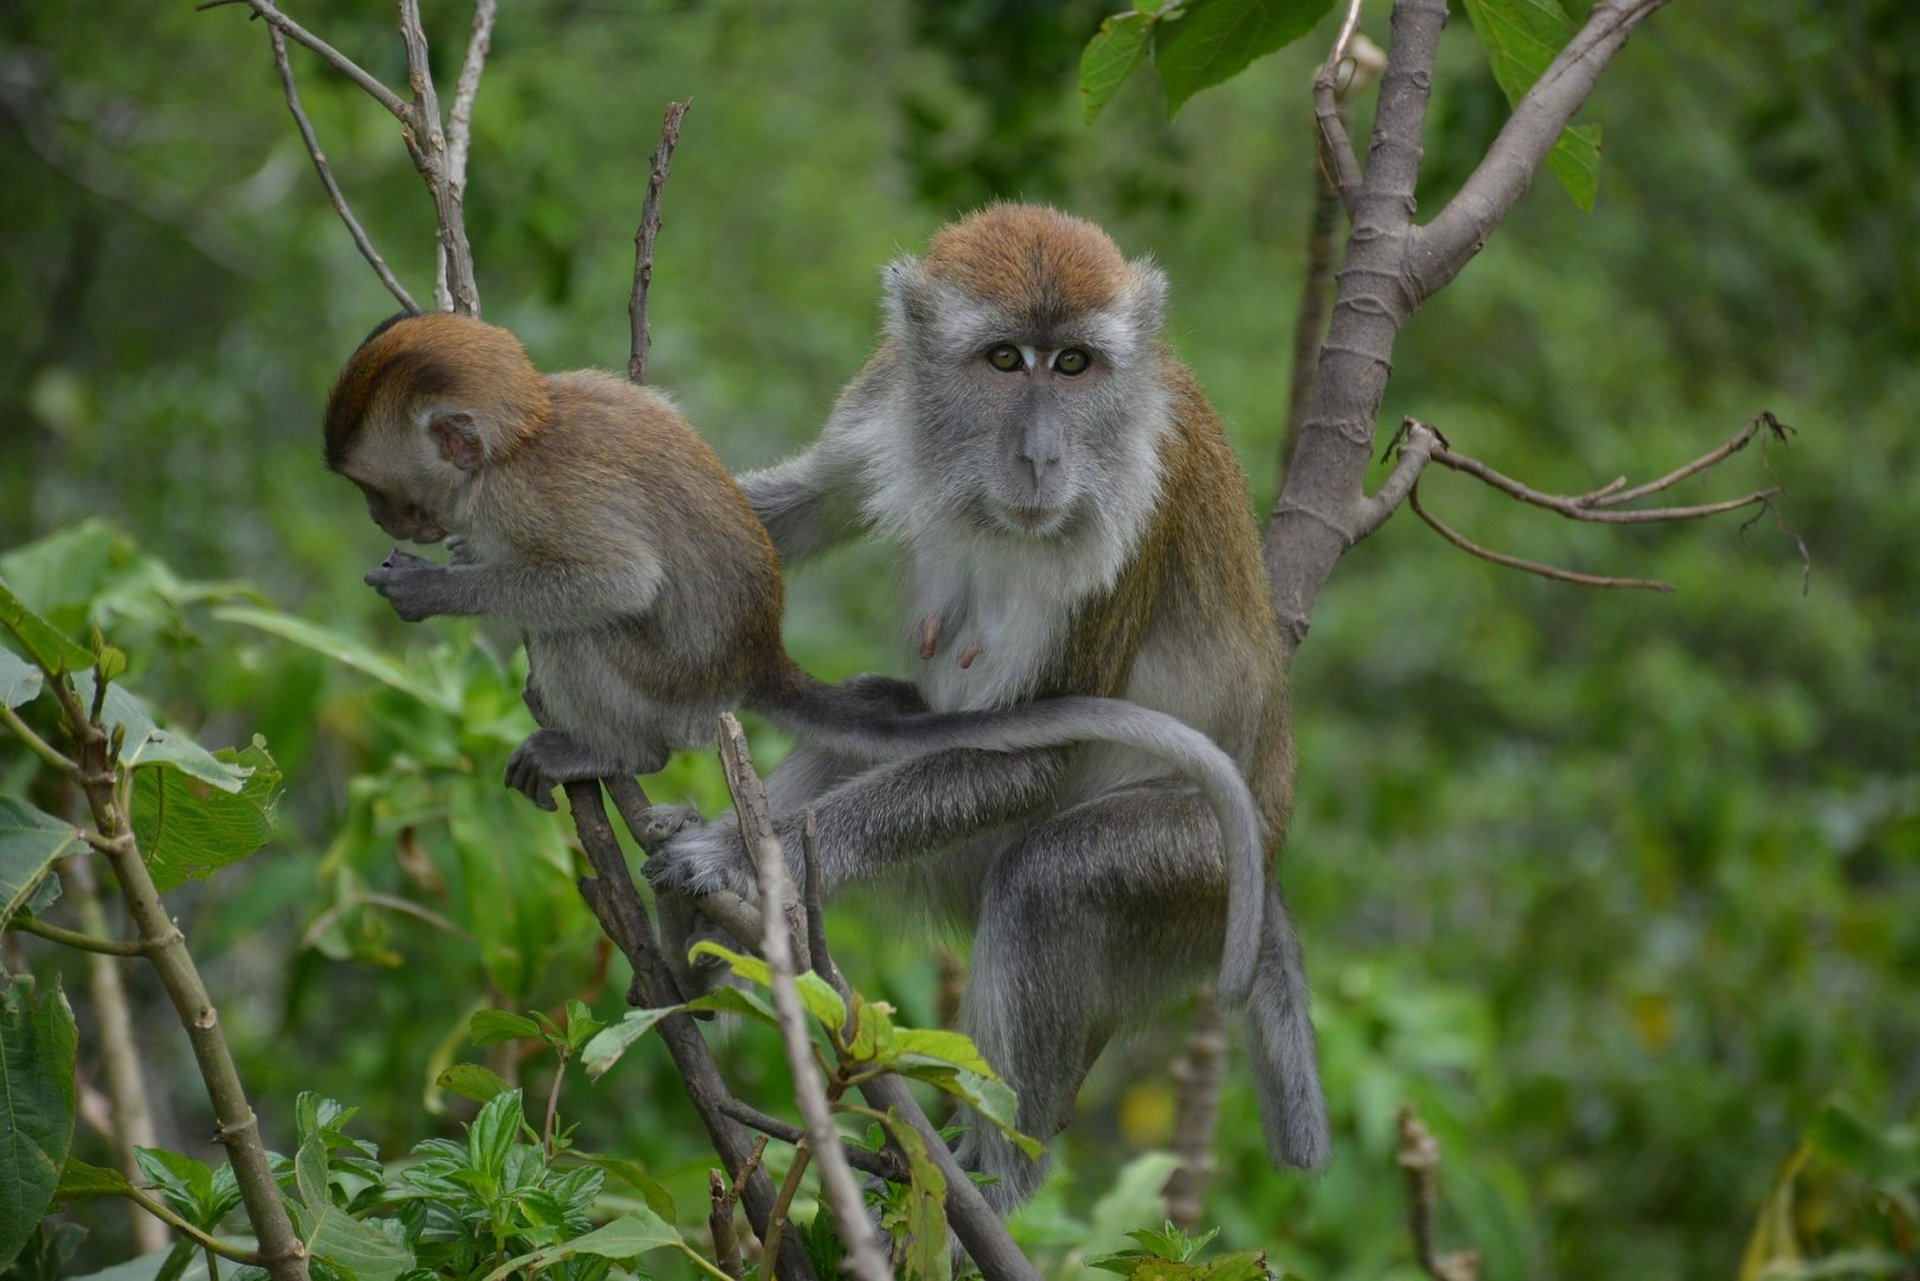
(783, 1203)
(207, 1241)
(35, 744)
(884, 1164)
(426, 140)
(1419, 1156)
(553, 1106)
(644, 237)
(75, 939)
(1581, 508)
(465, 90)
(783, 953)
(1530, 566)
(338, 61)
(726, 1242)
(285, 67)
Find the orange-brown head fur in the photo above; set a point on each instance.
(1031, 259)
(410, 361)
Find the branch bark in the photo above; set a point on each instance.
(643, 240)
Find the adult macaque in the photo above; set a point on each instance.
(1071, 522)
(590, 514)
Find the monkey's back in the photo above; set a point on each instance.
(632, 485)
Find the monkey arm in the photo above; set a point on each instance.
(808, 503)
(876, 819)
(533, 595)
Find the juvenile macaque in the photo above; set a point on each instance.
(590, 514)
(1070, 520)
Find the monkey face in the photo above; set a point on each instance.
(401, 520)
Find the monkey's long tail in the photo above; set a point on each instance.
(824, 714)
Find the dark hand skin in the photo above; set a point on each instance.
(413, 586)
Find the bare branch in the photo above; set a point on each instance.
(465, 90)
(1336, 148)
(644, 237)
(1384, 204)
(338, 61)
(1530, 566)
(1610, 495)
(426, 140)
(1419, 1157)
(1574, 509)
(884, 1164)
(726, 1242)
(1456, 234)
(1416, 442)
(781, 950)
(320, 166)
(616, 905)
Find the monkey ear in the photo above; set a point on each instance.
(1146, 297)
(458, 439)
(908, 294)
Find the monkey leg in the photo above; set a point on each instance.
(550, 758)
(1085, 922)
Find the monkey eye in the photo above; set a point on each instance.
(1005, 357)
(1071, 361)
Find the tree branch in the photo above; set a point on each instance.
(1529, 566)
(426, 140)
(783, 952)
(1196, 1083)
(610, 893)
(643, 240)
(883, 1164)
(285, 67)
(334, 58)
(1451, 240)
(1419, 1157)
(80, 942)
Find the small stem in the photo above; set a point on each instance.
(726, 1242)
(777, 1221)
(75, 939)
(553, 1105)
(161, 1211)
(37, 745)
(213, 1265)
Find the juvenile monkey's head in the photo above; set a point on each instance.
(1031, 346)
(424, 405)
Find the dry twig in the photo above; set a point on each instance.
(784, 952)
(644, 237)
(1419, 1157)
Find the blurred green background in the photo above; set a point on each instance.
(1620, 888)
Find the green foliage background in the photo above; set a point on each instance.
(1620, 888)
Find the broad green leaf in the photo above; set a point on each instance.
(145, 743)
(46, 1255)
(491, 1027)
(471, 1081)
(310, 1173)
(635, 1176)
(93, 573)
(994, 1100)
(31, 841)
(342, 649)
(44, 896)
(947, 1047)
(581, 1025)
(42, 642)
(491, 1133)
(1522, 38)
(1213, 40)
(627, 1237)
(188, 829)
(78, 1179)
(20, 681)
(357, 1249)
(186, 1184)
(927, 1249)
(1116, 51)
(606, 1047)
(36, 1105)
(816, 994)
(736, 1000)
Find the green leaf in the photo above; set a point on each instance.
(491, 1027)
(745, 1002)
(581, 1025)
(471, 1081)
(927, 1249)
(187, 828)
(1522, 38)
(310, 1173)
(78, 1179)
(942, 1046)
(635, 1176)
(31, 841)
(145, 743)
(627, 1237)
(1839, 1136)
(36, 1105)
(491, 1133)
(45, 644)
(1116, 51)
(357, 1249)
(606, 1047)
(993, 1099)
(186, 1184)
(342, 649)
(816, 994)
(20, 681)
(517, 877)
(1213, 40)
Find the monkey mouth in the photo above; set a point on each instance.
(1031, 518)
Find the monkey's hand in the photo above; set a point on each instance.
(704, 858)
(411, 585)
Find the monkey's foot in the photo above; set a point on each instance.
(549, 759)
(663, 821)
(702, 859)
